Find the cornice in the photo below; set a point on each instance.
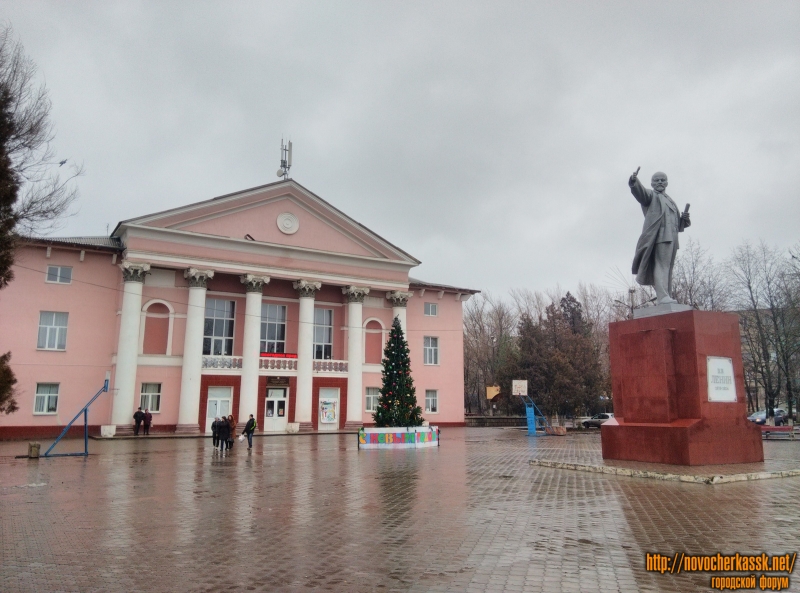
(262, 248)
(174, 262)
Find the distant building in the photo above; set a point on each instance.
(268, 301)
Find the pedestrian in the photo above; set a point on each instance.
(215, 431)
(148, 420)
(249, 429)
(231, 432)
(223, 431)
(138, 416)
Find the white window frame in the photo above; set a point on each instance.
(146, 398)
(321, 348)
(431, 310)
(58, 333)
(430, 351)
(225, 340)
(431, 395)
(278, 321)
(372, 396)
(58, 275)
(45, 398)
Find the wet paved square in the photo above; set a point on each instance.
(306, 512)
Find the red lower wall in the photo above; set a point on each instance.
(207, 381)
(318, 382)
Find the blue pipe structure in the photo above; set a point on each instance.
(85, 412)
(536, 420)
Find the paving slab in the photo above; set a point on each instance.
(317, 514)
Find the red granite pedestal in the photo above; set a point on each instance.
(661, 398)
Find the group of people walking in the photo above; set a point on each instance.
(223, 432)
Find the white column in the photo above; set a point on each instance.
(305, 344)
(399, 301)
(128, 345)
(355, 351)
(248, 395)
(189, 406)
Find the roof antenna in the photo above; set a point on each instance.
(286, 159)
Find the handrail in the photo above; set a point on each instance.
(85, 412)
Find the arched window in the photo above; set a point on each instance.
(373, 347)
(156, 329)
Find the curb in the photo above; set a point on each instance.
(667, 477)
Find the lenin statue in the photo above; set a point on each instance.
(658, 244)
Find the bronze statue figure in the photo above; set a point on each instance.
(658, 243)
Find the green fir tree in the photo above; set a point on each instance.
(397, 405)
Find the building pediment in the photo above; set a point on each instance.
(282, 215)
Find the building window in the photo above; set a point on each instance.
(431, 401)
(52, 331)
(218, 331)
(59, 274)
(323, 334)
(151, 397)
(46, 401)
(273, 328)
(431, 309)
(431, 350)
(373, 393)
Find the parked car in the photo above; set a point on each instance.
(761, 417)
(596, 420)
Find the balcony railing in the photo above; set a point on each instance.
(273, 364)
(330, 366)
(277, 364)
(222, 362)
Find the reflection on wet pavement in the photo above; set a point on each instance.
(313, 512)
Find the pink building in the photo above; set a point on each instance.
(268, 301)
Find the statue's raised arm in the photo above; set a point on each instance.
(634, 178)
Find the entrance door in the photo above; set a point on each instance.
(277, 410)
(328, 409)
(219, 404)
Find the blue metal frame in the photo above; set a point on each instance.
(85, 412)
(536, 420)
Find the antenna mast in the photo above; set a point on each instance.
(286, 159)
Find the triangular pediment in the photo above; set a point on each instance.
(284, 214)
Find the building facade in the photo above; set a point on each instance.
(268, 301)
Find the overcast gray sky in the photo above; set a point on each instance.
(491, 140)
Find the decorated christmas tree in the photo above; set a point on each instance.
(397, 404)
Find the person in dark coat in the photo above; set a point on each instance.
(249, 429)
(138, 417)
(148, 420)
(231, 432)
(223, 432)
(215, 431)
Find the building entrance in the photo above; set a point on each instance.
(276, 410)
(219, 404)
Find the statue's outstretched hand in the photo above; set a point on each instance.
(632, 180)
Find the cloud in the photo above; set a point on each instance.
(490, 140)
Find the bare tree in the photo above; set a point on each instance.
(699, 281)
(44, 195)
(755, 272)
(489, 324)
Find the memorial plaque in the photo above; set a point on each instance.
(721, 383)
